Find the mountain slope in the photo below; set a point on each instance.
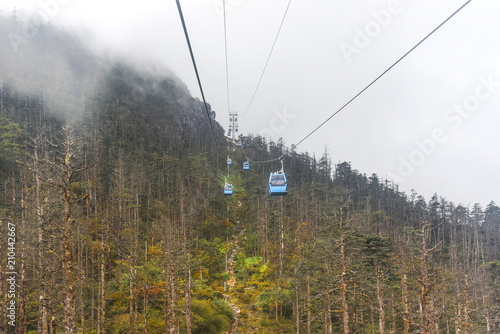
(112, 180)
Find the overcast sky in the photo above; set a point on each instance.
(430, 124)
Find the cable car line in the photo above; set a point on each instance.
(225, 51)
(228, 187)
(263, 161)
(268, 58)
(381, 75)
(362, 91)
(258, 84)
(197, 75)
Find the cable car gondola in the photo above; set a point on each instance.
(239, 143)
(277, 183)
(246, 165)
(229, 161)
(228, 189)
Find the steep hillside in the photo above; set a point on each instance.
(112, 188)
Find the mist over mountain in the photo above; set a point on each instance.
(115, 219)
(68, 75)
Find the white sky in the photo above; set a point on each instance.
(431, 123)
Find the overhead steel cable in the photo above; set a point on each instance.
(261, 161)
(225, 51)
(267, 61)
(197, 75)
(227, 93)
(368, 86)
(261, 76)
(227, 72)
(381, 75)
(264, 161)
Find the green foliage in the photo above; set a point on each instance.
(253, 262)
(208, 318)
(156, 209)
(266, 300)
(377, 249)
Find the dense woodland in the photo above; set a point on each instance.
(112, 180)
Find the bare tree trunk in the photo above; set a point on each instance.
(83, 258)
(187, 257)
(66, 172)
(3, 295)
(262, 227)
(393, 314)
(425, 283)
(68, 259)
(172, 321)
(101, 313)
(328, 310)
(42, 310)
(169, 294)
(188, 300)
(133, 297)
(458, 312)
(308, 305)
(343, 281)
(131, 300)
(52, 319)
(281, 259)
(427, 316)
(145, 306)
(380, 298)
(406, 311)
(145, 290)
(276, 308)
(173, 302)
(165, 297)
(82, 302)
(68, 263)
(485, 305)
(22, 268)
(297, 309)
(266, 233)
(92, 290)
(135, 260)
(466, 306)
(282, 241)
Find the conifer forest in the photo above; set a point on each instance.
(113, 219)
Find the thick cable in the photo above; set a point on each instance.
(197, 75)
(381, 75)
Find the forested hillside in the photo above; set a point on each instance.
(113, 219)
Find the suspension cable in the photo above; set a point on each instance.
(268, 58)
(381, 75)
(197, 75)
(225, 50)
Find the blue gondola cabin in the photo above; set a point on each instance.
(228, 189)
(277, 184)
(246, 165)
